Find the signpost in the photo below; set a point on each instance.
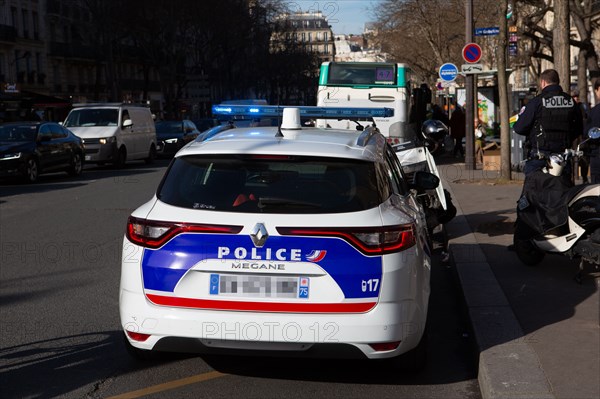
(448, 72)
(491, 31)
(471, 68)
(471, 53)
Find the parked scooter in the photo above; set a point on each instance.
(553, 217)
(415, 156)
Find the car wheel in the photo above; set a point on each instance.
(151, 155)
(32, 170)
(526, 250)
(76, 165)
(121, 158)
(140, 354)
(414, 360)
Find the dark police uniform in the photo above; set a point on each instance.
(551, 121)
(593, 148)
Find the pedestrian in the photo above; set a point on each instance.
(437, 113)
(457, 130)
(584, 160)
(593, 149)
(551, 121)
(479, 140)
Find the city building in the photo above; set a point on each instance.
(308, 29)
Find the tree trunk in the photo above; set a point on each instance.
(560, 39)
(505, 164)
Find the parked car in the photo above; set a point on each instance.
(172, 135)
(114, 132)
(295, 239)
(28, 149)
(205, 123)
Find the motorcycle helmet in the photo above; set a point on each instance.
(434, 129)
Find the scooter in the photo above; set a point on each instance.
(557, 219)
(416, 156)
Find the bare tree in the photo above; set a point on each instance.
(560, 35)
(581, 14)
(503, 91)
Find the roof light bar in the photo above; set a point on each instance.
(305, 111)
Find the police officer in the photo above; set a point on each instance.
(593, 148)
(551, 121)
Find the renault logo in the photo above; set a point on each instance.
(259, 235)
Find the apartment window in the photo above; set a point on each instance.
(36, 25)
(325, 36)
(14, 18)
(3, 76)
(38, 62)
(310, 36)
(25, 15)
(303, 37)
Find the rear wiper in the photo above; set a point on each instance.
(264, 202)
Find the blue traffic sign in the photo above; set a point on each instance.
(448, 72)
(472, 53)
(493, 31)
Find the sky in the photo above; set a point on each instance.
(344, 16)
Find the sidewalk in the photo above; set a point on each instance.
(537, 330)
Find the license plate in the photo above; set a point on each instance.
(245, 285)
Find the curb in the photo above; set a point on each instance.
(508, 366)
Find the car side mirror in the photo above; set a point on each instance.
(425, 181)
(127, 123)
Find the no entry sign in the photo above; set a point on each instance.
(471, 53)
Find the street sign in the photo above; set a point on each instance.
(448, 72)
(493, 31)
(471, 68)
(471, 53)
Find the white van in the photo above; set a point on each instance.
(114, 133)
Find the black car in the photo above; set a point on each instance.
(172, 135)
(28, 149)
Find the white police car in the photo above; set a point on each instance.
(303, 240)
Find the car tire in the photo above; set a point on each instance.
(76, 165)
(412, 361)
(151, 155)
(32, 170)
(121, 158)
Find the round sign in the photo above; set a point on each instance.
(472, 53)
(448, 72)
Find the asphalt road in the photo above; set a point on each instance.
(60, 242)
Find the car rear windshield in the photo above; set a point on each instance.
(271, 184)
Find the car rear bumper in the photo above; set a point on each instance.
(207, 331)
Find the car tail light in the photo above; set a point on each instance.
(136, 336)
(370, 241)
(153, 234)
(385, 346)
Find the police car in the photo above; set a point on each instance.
(293, 239)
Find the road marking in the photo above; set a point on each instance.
(169, 385)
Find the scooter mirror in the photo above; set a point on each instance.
(594, 133)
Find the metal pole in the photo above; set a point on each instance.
(469, 95)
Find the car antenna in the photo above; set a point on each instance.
(279, 122)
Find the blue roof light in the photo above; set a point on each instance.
(305, 111)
